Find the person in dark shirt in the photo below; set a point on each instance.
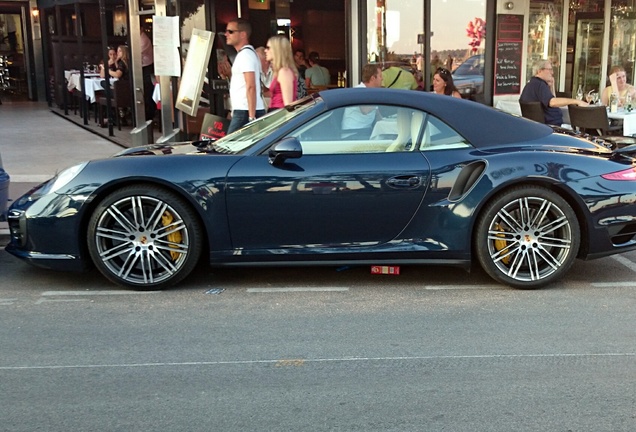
(301, 62)
(538, 90)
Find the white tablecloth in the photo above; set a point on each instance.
(386, 126)
(629, 121)
(91, 84)
(508, 106)
(513, 107)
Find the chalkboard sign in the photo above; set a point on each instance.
(509, 54)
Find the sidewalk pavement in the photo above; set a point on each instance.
(35, 144)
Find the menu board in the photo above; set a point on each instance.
(508, 55)
(194, 71)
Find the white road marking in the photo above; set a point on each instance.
(627, 263)
(95, 293)
(295, 289)
(614, 284)
(30, 178)
(45, 300)
(8, 301)
(324, 360)
(466, 287)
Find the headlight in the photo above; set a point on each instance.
(60, 180)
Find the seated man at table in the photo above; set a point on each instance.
(358, 121)
(538, 89)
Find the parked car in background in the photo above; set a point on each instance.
(469, 77)
(4, 191)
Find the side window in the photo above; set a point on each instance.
(361, 129)
(439, 136)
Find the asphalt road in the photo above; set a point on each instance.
(433, 349)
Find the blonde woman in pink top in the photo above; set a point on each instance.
(283, 87)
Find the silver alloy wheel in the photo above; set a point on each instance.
(527, 236)
(141, 240)
(529, 239)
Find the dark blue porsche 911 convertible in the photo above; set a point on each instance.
(355, 176)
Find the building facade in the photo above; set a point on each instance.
(490, 44)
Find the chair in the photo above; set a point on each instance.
(594, 119)
(121, 98)
(532, 111)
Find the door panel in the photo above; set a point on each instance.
(331, 200)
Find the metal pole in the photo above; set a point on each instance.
(135, 60)
(79, 23)
(164, 86)
(102, 19)
(140, 134)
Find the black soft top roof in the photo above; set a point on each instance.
(481, 125)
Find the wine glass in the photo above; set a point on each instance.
(589, 96)
(595, 97)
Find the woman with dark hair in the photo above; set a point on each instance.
(443, 83)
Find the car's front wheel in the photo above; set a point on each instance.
(527, 237)
(144, 237)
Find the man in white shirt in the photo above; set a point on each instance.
(359, 120)
(245, 85)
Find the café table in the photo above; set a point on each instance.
(629, 120)
(513, 107)
(92, 83)
(384, 127)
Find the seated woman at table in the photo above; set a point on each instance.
(618, 84)
(443, 83)
(112, 62)
(120, 68)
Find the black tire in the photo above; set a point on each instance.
(527, 237)
(144, 237)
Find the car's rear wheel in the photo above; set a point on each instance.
(144, 237)
(527, 237)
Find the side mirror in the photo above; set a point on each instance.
(287, 148)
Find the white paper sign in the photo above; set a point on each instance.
(167, 60)
(165, 30)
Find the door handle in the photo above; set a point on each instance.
(404, 181)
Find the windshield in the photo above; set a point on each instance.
(253, 132)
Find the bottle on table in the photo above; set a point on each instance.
(613, 102)
(579, 93)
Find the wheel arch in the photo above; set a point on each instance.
(105, 190)
(569, 195)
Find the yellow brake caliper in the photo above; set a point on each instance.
(501, 245)
(175, 237)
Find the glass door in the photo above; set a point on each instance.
(623, 41)
(588, 53)
(545, 30)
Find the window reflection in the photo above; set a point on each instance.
(458, 40)
(393, 29)
(545, 24)
(622, 47)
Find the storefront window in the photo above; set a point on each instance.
(393, 29)
(545, 27)
(460, 40)
(622, 47)
(585, 49)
